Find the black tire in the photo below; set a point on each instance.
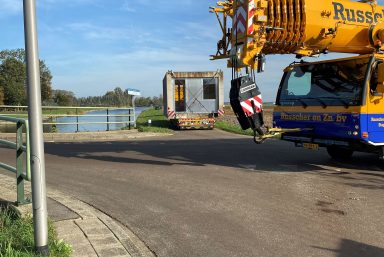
(339, 153)
(259, 131)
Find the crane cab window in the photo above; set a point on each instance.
(301, 84)
(338, 83)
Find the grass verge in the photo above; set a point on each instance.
(159, 123)
(46, 112)
(233, 128)
(16, 237)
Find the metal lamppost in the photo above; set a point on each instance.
(39, 194)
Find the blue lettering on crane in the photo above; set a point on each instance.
(351, 15)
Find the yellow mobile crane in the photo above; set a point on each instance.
(337, 104)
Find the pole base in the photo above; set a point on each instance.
(43, 250)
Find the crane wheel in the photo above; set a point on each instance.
(339, 153)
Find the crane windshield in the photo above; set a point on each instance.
(324, 84)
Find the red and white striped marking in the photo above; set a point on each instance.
(221, 112)
(248, 106)
(243, 21)
(171, 114)
(251, 15)
(240, 20)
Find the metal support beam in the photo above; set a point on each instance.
(39, 201)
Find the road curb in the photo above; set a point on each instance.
(92, 233)
(90, 136)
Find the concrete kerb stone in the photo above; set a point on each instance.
(92, 234)
(127, 238)
(90, 137)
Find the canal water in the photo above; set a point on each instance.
(97, 127)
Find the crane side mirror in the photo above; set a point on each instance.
(289, 68)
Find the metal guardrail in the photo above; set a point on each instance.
(23, 168)
(51, 119)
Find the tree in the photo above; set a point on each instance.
(45, 73)
(18, 54)
(2, 98)
(46, 82)
(117, 97)
(12, 81)
(121, 97)
(157, 101)
(63, 97)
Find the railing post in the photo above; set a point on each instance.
(107, 119)
(28, 153)
(77, 121)
(19, 164)
(129, 118)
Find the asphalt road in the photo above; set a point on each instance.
(211, 193)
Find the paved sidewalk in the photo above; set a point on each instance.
(88, 230)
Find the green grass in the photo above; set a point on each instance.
(48, 112)
(24, 114)
(63, 111)
(16, 237)
(159, 123)
(233, 128)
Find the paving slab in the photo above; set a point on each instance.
(59, 212)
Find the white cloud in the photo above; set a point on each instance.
(113, 34)
(92, 31)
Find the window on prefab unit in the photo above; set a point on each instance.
(209, 86)
(180, 95)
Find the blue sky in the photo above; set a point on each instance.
(92, 46)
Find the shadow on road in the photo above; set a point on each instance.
(273, 156)
(350, 248)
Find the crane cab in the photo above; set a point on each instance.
(338, 104)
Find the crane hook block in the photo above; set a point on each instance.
(246, 102)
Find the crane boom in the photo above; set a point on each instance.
(301, 27)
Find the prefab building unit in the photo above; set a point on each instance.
(191, 93)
